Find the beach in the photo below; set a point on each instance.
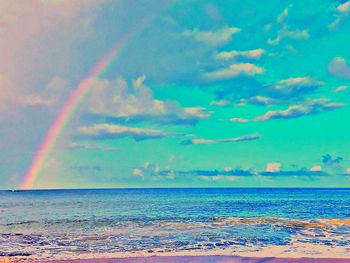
(192, 259)
(176, 225)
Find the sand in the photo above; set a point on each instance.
(202, 259)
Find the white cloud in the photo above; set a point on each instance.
(348, 171)
(88, 146)
(283, 15)
(344, 8)
(249, 137)
(316, 168)
(118, 99)
(273, 167)
(228, 168)
(138, 172)
(259, 100)
(313, 106)
(239, 120)
(339, 68)
(286, 33)
(296, 85)
(300, 81)
(220, 103)
(212, 37)
(340, 88)
(234, 70)
(342, 12)
(249, 54)
(104, 130)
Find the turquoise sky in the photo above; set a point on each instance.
(204, 93)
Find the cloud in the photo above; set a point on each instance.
(250, 137)
(286, 33)
(310, 107)
(235, 172)
(88, 168)
(137, 103)
(245, 90)
(249, 54)
(327, 160)
(295, 86)
(340, 88)
(27, 27)
(242, 120)
(105, 131)
(138, 172)
(234, 70)
(226, 173)
(212, 37)
(344, 8)
(347, 171)
(339, 68)
(11, 96)
(87, 146)
(273, 167)
(316, 168)
(283, 15)
(220, 103)
(294, 173)
(342, 12)
(259, 100)
(35, 100)
(54, 91)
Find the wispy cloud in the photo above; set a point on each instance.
(283, 15)
(242, 120)
(225, 174)
(294, 173)
(344, 8)
(138, 172)
(220, 103)
(212, 37)
(250, 137)
(327, 160)
(235, 172)
(234, 70)
(341, 88)
(49, 95)
(342, 12)
(88, 146)
(285, 32)
(313, 106)
(234, 54)
(105, 131)
(297, 85)
(259, 100)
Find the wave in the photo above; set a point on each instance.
(285, 222)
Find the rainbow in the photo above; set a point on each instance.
(74, 100)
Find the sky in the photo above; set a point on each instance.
(198, 93)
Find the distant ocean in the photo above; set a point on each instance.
(79, 223)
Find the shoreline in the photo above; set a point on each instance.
(268, 255)
(189, 259)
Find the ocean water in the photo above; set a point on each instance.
(75, 223)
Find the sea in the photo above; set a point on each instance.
(65, 224)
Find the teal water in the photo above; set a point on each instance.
(51, 222)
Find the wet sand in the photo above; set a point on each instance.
(203, 259)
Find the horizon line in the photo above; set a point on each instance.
(136, 188)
